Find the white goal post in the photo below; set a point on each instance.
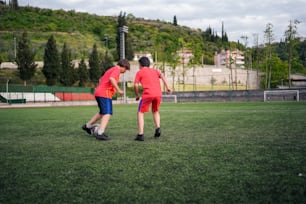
(169, 98)
(281, 95)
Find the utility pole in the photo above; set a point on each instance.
(122, 31)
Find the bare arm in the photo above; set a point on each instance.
(114, 83)
(136, 90)
(163, 78)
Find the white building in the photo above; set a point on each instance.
(185, 56)
(226, 58)
(138, 55)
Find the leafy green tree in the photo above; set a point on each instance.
(279, 71)
(301, 50)
(291, 41)
(83, 73)
(297, 66)
(208, 32)
(51, 68)
(173, 61)
(67, 73)
(167, 46)
(269, 37)
(195, 61)
(25, 59)
(94, 65)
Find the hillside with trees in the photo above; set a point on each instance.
(81, 30)
(79, 35)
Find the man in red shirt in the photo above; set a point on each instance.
(106, 89)
(149, 79)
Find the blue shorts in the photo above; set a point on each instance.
(105, 105)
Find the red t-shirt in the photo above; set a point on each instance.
(149, 79)
(105, 88)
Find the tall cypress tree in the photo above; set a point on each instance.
(67, 73)
(82, 73)
(106, 62)
(51, 66)
(94, 63)
(25, 59)
(291, 41)
(269, 37)
(174, 21)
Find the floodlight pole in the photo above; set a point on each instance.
(122, 30)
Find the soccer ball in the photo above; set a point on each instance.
(94, 129)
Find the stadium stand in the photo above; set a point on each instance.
(22, 97)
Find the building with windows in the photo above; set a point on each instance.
(228, 58)
(185, 55)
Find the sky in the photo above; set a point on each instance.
(240, 17)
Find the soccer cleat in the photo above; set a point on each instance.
(102, 137)
(139, 138)
(88, 130)
(157, 132)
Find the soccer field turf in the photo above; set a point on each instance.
(207, 153)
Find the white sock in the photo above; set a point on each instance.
(88, 126)
(100, 132)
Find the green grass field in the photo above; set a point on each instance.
(208, 153)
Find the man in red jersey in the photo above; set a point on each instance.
(106, 89)
(149, 79)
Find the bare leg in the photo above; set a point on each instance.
(94, 119)
(156, 118)
(104, 121)
(140, 120)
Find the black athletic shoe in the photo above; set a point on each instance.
(157, 132)
(139, 138)
(88, 130)
(102, 137)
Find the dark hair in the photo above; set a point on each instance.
(144, 62)
(124, 63)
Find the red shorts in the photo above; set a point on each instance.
(144, 105)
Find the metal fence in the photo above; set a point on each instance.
(234, 96)
(23, 94)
